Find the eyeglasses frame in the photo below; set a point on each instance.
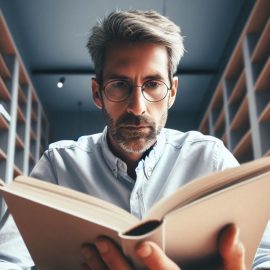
(132, 86)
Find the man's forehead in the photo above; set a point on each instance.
(124, 56)
(122, 59)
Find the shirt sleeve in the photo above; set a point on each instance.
(44, 169)
(224, 158)
(262, 258)
(13, 252)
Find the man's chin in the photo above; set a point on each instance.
(137, 146)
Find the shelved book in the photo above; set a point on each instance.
(55, 221)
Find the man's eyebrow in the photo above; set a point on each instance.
(117, 77)
(155, 76)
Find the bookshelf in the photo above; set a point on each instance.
(23, 123)
(239, 111)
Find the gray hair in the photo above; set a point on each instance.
(135, 26)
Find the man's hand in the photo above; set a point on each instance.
(232, 251)
(106, 255)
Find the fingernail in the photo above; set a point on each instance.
(144, 251)
(237, 234)
(102, 246)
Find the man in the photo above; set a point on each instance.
(135, 161)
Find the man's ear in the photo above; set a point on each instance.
(173, 91)
(96, 93)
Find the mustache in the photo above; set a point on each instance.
(130, 119)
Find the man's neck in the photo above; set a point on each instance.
(130, 158)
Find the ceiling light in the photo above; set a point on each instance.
(60, 83)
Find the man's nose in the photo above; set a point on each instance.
(136, 102)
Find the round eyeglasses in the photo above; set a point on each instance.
(120, 90)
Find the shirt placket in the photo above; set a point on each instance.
(137, 206)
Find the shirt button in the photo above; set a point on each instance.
(149, 172)
(119, 164)
(122, 166)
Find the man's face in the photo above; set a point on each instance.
(133, 124)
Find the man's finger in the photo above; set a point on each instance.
(112, 255)
(92, 259)
(154, 258)
(231, 249)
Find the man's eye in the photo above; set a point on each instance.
(152, 84)
(120, 84)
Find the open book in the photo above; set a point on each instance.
(55, 221)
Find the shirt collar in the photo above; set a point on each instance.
(148, 164)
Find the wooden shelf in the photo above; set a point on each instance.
(243, 145)
(253, 47)
(33, 116)
(220, 120)
(224, 139)
(33, 135)
(6, 44)
(217, 100)
(22, 97)
(204, 126)
(239, 89)
(241, 117)
(34, 97)
(236, 63)
(17, 171)
(265, 115)
(20, 115)
(4, 71)
(4, 93)
(23, 76)
(31, 157)
(258, 17)
(3, 123)
(3, 155)
(19, 142)
(263, 80)
(20, 132)
(262, 48)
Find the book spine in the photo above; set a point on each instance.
(148, 231)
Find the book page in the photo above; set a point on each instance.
(39, 186)
(206, 185)
(197, 225)
(54, 238)
(72, 202)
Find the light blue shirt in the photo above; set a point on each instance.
(89, 166)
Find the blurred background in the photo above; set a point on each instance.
(51, 38)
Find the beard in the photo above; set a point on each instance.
(134, 134)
